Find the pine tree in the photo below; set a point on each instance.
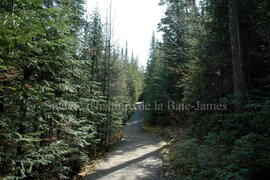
(198, 48)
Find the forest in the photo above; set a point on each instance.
(57, 68)
(217, 53)
(61, 73)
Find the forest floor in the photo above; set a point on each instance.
(136, 158)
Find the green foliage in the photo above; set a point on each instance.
(234, 148)
(51, 87)
(194, 63)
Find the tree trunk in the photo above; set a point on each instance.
(238, 74)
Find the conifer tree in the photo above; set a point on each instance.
(198, 48)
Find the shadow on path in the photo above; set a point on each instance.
(136, 158)
(101, 173)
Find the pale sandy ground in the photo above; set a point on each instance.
(136, 158)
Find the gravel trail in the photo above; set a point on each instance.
(136, 158)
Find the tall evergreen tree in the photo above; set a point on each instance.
(52, 95)
(208, 57)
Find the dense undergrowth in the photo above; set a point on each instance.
(217, 155)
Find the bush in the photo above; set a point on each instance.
(237, 148)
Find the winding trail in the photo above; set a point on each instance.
(136, 158)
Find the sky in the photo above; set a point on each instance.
(133, 21)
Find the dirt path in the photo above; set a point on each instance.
(136, 158)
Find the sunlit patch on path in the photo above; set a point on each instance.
(136, 158)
